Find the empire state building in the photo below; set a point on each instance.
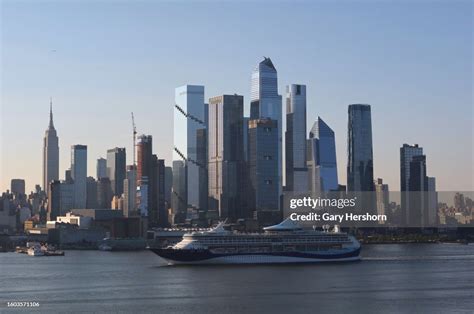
(50, 153)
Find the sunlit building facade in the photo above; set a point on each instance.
(226, 156)
(190, 142)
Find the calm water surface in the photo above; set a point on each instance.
(433, 278)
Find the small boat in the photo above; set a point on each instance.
(105, 247)
(21, 249)
(53, 253)
(35, 251)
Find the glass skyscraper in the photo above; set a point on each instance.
(226, 156)
(116, 164)
(295, 139)
(407, 152)
(321, 158)
(266, 103)
(262, 161)
(190, 142)
(418, 214)
(179, 204)
(101, 168)
(360, 167)
(79, 174)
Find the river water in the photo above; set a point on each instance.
(409, 278)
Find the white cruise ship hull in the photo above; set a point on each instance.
(205, 257)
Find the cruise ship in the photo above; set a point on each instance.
(286, 242)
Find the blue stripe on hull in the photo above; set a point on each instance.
(202, 255)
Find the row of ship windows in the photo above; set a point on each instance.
(260, 241)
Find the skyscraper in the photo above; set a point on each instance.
(104, 193)
(54, 199)
(144, 155)
(295, 139)
(190, 141)
(321, 158)
(156, 191)
(179, 196)
(262, 162)
(116, 164)
(147, 179)
(169, 185)
(101, 168)
(245, 132)
(265, 102)
(418, 186)
(17, 187)
(360, 171)
(407, 152)
(201, 155)
(142, 196)
(79, 174)
(160, 214)
(60, 198)
(226, 156)
(432, 202)
(91, 187)
(130, 191)
(50, 153)
(382, 197)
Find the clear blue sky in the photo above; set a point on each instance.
(100, 60)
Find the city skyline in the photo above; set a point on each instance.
(116, 127)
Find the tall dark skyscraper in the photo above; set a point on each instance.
(91, 186)
(226, 156)
(79, 174)
(116, 168)
(54, 199)
(179, 202)
(104, 193)
(262, 162)
(360, 166)
(201, 155)
(147, 173)
(144, 156)
(432, 202)
(159, 214)
(169, 186)
(418, 214)
(50, 153)
(17, 187)
(407, 153)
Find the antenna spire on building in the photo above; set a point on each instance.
(51, 125)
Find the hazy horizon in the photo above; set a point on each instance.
(411, 61)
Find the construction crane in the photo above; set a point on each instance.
(134, 139)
